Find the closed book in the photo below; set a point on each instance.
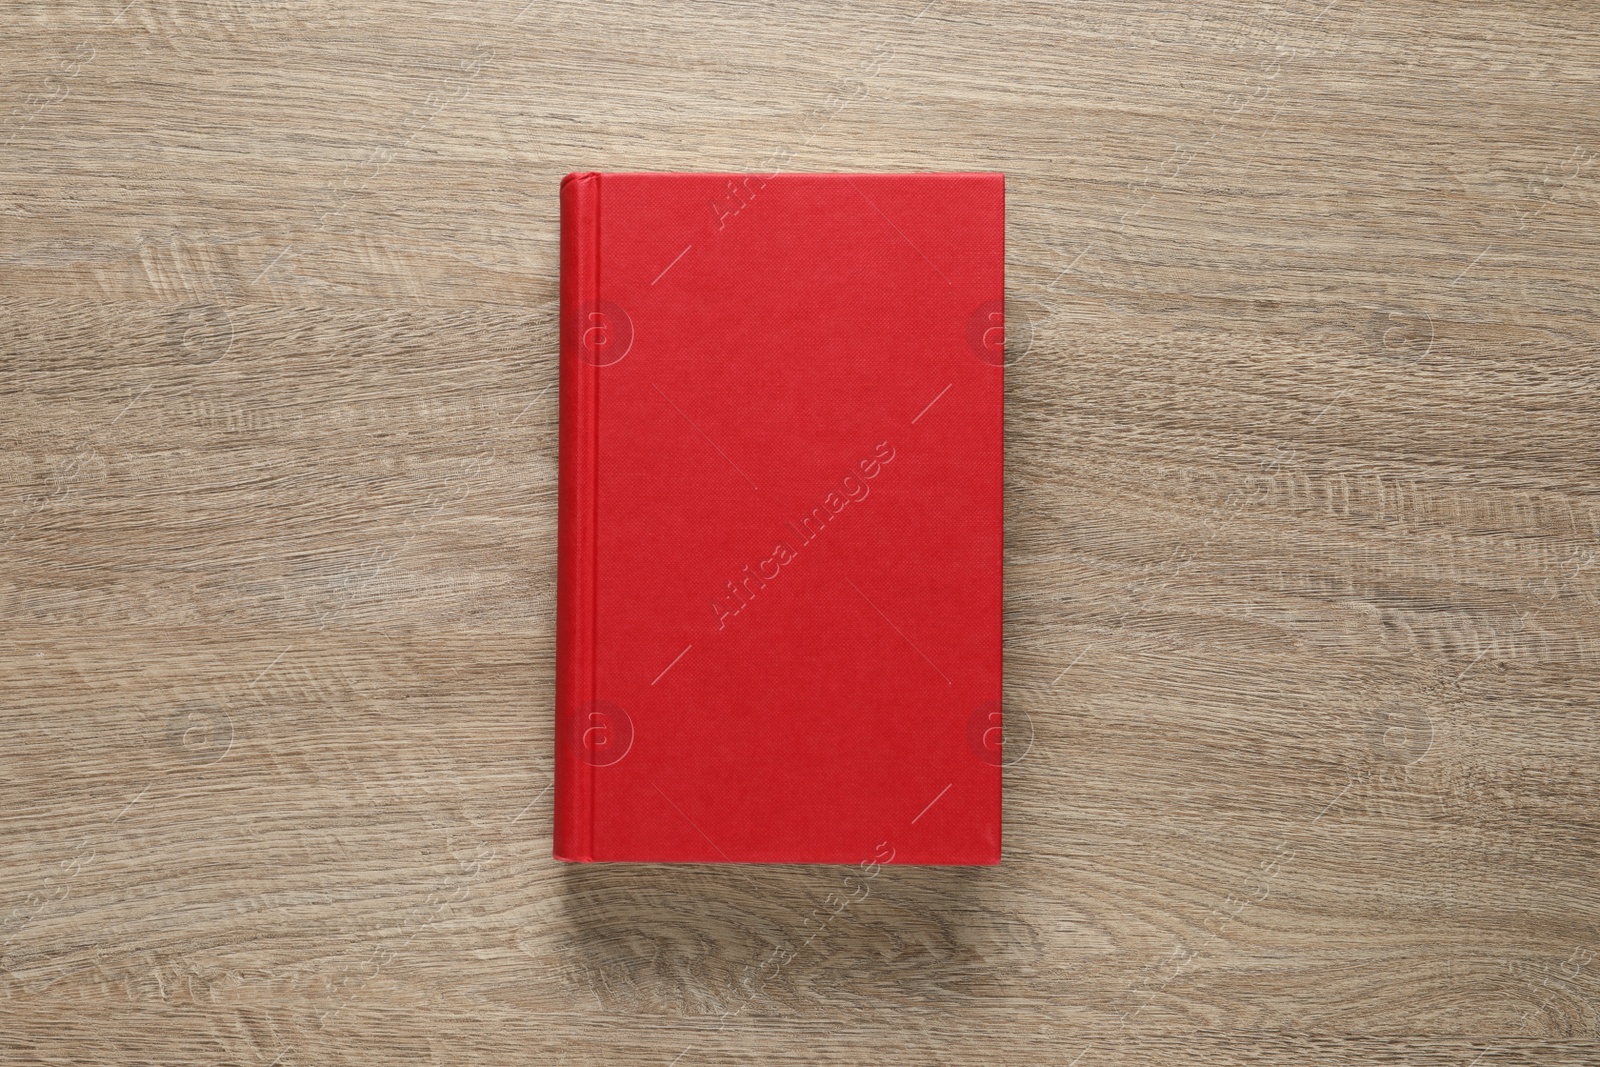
(780, 544)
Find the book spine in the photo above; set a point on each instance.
(575, 539)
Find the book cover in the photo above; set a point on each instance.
(780, 546)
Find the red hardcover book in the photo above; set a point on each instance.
(779, 589)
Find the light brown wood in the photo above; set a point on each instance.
(1303, 496)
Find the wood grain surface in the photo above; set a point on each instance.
(1303, 497)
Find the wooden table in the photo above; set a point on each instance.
(1303, 492)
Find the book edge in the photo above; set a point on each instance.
(573, 832)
